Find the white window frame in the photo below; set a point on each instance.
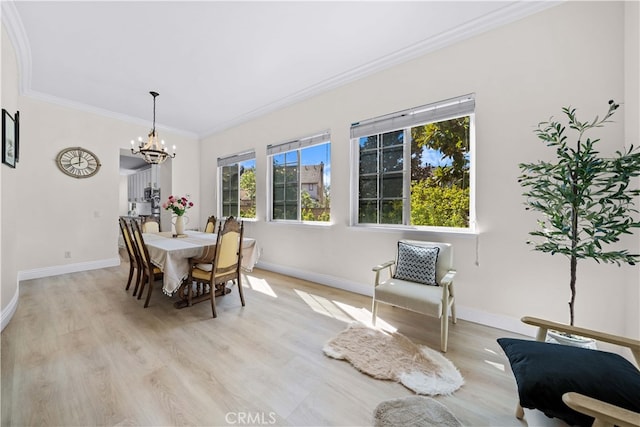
(293, 145)
(462, 106)
(229, 161)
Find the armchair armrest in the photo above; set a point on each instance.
(448, 278)
(379, 267)
(604, 413)
(383, 265)
(544, 325)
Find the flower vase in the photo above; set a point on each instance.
(179, 225)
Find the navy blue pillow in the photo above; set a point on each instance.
(545, 371)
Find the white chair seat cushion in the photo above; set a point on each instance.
(411, 296)
(205, 267)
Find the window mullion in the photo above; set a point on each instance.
(406, 177)
(299, 195)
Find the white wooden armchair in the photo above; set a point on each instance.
(580, 386)
(419, 281)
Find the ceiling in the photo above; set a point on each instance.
(217, 64)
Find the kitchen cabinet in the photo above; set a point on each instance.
(136, 183)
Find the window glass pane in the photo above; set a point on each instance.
(391, 212)
(238, 188)
(369, 187)
(315, 193)
(301, 184)
(392, 185)
(368, 162)
(230, 190)
(393, 138)
(438, 176)
(285, 185)
(440, 162)
(368, 212)
(247, 192)
(369, 142)
(392, 159)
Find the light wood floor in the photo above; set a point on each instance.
(80, 351)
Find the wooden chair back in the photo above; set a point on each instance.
(134, 261)
(150, 273)
(128, 241)
(150, 225)
(211, 225)
(143, 252)
(226, 265)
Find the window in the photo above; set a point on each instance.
(300, 179)
(237, 178)
(414, 167)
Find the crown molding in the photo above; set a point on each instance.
(503, 16)
(64, 102)
(18, 37)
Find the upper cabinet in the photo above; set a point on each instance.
(137, 183)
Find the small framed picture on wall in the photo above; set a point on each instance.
(10, 138)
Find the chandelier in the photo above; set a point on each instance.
(153, 152)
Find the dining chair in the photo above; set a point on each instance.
(420, 279)
(134, 263)
(215, 268)
(150, 273)
(150, 225)
(211, 225)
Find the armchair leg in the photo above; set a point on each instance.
(519, 411)
(454, 318)
(374, 312)
(444, 328)
(444, 332)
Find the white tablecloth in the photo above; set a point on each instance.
(171, 254)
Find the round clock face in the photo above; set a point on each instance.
(78, 162)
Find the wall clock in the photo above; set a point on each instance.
(78, 162)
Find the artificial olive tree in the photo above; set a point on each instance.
(586, 201)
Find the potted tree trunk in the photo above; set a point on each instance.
(586, 200)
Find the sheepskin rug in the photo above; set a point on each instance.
(413, 411)
(394, 357)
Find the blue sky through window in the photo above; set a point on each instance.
(314, 155)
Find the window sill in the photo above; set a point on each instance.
(444, 231)
(318, 224)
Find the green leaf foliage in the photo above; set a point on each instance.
(586, 200)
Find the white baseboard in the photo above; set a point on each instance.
(37, 273)
(324, 279)
(470, 314)
(56, 270)
(10, 309)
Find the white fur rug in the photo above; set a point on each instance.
(394, 357)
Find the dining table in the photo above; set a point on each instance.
(171, 254)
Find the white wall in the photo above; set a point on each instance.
(8, 191)
(521, 74)
(66, 214)
(632, 136)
